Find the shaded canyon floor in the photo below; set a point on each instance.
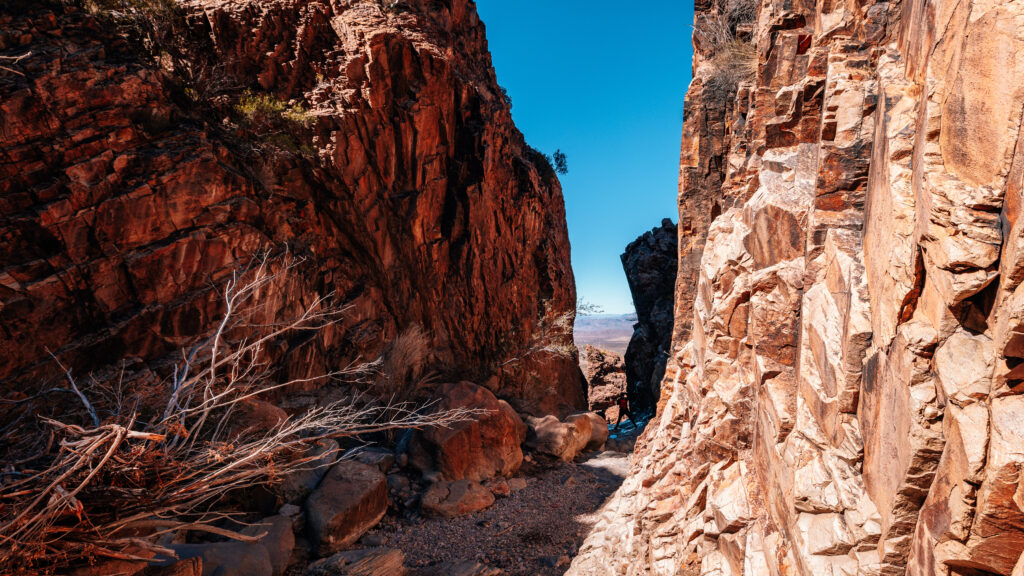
(536, 530)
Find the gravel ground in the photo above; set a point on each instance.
(535, 531)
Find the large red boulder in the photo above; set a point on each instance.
(477, 449)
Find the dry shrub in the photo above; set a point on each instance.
(403, 366)
(11, 61)
(553, 335)
(737, 12)
(108, 485)
(153, 23)
(731, 60)
(711, 31)
(274, 126)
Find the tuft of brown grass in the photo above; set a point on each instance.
(733, 62)
(730, 59)
(403, 366)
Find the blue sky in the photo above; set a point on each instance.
(604, 82)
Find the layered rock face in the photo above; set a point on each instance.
(130, 189)
(845, 393)
(606, 375)
(650, 265)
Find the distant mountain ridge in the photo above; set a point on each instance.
(609, 332)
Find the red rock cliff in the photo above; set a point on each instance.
(129, 189)
(845, 396)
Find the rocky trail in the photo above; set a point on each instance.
(536, 529)
(539, 519)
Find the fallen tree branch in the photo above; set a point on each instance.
(14, 60)
(169, 473)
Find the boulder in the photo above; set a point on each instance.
(279, 540)
(606, 378)
(228, 558)
(380, 458)
(498, 487)
(451, 499)
(350, 500)
(399, 484)
(566, 439)
(477, 449)
(369, 562)
(297, 485)
(650, 264)
(256, 416)
(598, 432)
(517, 484)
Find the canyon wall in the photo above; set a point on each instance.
(650, 266)
(845, 392)
(368, 139)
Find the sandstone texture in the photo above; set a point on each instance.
(844, 393)
(367, 562)
(278, 538)
(451, 499)
(606, 376)
(650, 265)
(381, 155)
(351, 499)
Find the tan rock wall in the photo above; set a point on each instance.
(848, 331)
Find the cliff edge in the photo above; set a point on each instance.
(844, 395)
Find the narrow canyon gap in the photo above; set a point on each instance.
(842, 392)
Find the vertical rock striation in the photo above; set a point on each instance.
(131, 187)
(650, 265)
(845, 392)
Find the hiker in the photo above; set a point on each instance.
(624, 409)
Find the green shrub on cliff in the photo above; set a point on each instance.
(256, 107)
(275, 122)
(557, 163)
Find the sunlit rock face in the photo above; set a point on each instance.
(650, 266)
(844, 392)
(606, 376)
(404, 189)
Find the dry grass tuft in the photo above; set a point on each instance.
(403, 366)
(731, 60)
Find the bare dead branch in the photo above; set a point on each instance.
(169, 474)
(14, 60)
